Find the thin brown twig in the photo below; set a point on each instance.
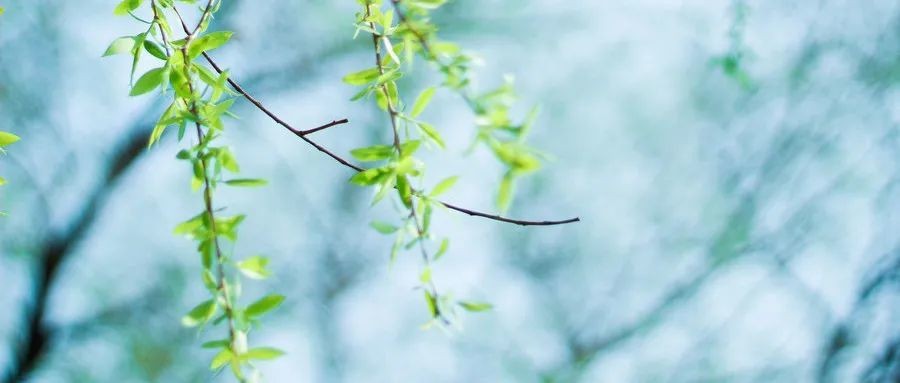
(302, 135)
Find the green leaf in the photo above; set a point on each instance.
(427, 4)
(422, 101)
(405, 190)
(362, 77)
(432, 304)
(127, 6)
(124, 44)
(475, 306)
(409, 147)
(445, 243)
(215, 343)
(373, 153)
(200, 314)
(262, 353)
(2, 181)
(155, 50)
(516, 156)
(188, 227)
(443, 186)
(136, 51)
(255, 267)
(7, 138)
(431, 133)
(504, 195)
(425, 277)
(371, 176)
(221, 359)
(383, 227)
(264, 305)
(2, 11)
(147, 82)
(208, 42)
(247, 182)
(228, 161)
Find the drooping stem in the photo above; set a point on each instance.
(209, 211)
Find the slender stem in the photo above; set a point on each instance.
(392, 112)
(221, 279)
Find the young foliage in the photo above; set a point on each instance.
(495, 128)
(200, 98)
(199, 101)
(399, 170)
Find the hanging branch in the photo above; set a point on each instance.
(302, 135)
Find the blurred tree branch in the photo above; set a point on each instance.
(58, 246)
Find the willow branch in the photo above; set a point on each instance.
(303, 133)
(221, 284)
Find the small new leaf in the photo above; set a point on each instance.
(262, 353)
(122, 44)
(127, 6)
(255, 267)
(476, 306)
(362, 77)
(155, 50)
(200, 314)
(7, 138)
(221, 359)
(264, 305)
(147, 82)
(422, 101)
(247, 182)
(215, 343)
(373, 153)
(383, 227)
(443, 186)
(208, 42)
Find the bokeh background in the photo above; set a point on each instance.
(736, 165)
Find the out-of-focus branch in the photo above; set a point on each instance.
(36, 335)
(842, 335)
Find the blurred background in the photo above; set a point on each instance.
(736, 165)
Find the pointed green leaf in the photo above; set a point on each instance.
(383, 227)
(362, 77)
(221, 359)
(476, 306)
(215, 343)
(255, 267)
(443, 186)
(262, 353)
(122, 44)
(208, 42)
(155, 50)
(373, 153)
(127, 6)
(247, 182)
(431, 133)
(422, 101)
(264, 305)
(504, 195)
(7, 138)
(147, 82)
(200, 314)
(445, 243)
